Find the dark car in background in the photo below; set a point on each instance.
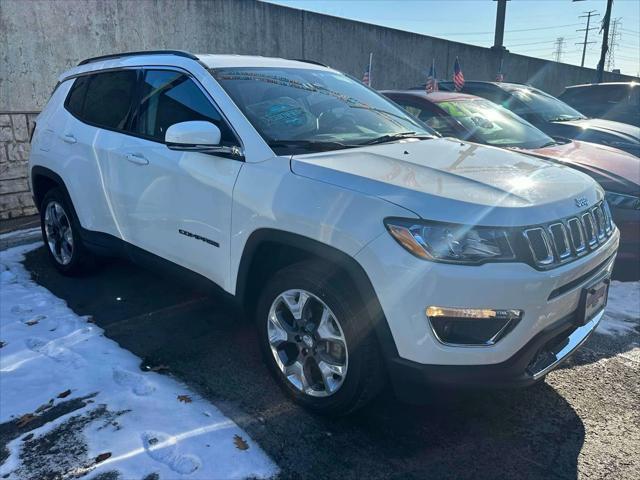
(553, 116)
(476, 119)
(618, 101)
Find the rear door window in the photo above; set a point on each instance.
(169, 97)
(75, 99)
(108, 99)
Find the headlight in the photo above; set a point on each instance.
(619, 200)
(451, 243)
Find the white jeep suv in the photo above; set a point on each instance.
(367, 247)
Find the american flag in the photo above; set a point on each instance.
(500, 75)
(366, 78)
(432, 81)
(458, 77)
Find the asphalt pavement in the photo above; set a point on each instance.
(583, 422)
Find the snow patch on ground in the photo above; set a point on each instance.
(113, 408)
(622, 315)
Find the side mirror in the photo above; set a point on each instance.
(197, 136)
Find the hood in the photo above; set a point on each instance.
(623, 132)
(615, 170)
(452, 181)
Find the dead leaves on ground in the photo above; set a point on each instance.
(35, 320)
(185, 399)
(25, 419)
(102, 457)
(240, 443)
(64, 394)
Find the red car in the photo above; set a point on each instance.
(478, 120)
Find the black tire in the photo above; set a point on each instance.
(365, 374)
(80, 260)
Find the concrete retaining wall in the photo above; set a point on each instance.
(45, 37)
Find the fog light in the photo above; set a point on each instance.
(471, 326)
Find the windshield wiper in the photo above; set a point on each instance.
(396, 136)
(565, 118)
(314, 145)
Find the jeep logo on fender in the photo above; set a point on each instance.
(198, 237)
(581, 201)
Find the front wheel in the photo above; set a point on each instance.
(317, 339)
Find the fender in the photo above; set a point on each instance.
(38, 171)
(332, 256)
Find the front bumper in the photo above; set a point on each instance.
(539, 356)
(406, 285)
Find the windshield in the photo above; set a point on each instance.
(495, 125)
(312, 110)
(548, 107)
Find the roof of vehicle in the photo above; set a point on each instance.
(179, 57)
(585, 85)
(448, 84)
(486, 82)
(434, 97)
(222, 61)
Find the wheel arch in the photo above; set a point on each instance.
(263, 255)
(44, 179)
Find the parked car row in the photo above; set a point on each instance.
(553, 116)
(618, 101)
(367, 247)
(478, 120)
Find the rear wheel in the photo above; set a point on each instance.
(318, 341)
(60, 231)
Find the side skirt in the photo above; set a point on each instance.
(106, 245)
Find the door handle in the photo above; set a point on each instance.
(137, 159)
(69, 138)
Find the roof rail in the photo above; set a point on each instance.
(313, 62)
(178, 53)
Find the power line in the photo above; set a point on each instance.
(511, 31)
(586, 30)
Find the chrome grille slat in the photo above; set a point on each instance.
(567, 239)
(577, 236)
(598, 215)
(560, 240)
(590, 229)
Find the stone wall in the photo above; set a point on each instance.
(15, 131)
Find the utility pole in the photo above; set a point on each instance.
(613, 42)
(498, 43)
(605, 40)
(557, 54)
(584, 44)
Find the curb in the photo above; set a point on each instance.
(20, 237)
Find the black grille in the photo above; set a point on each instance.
(567, 239)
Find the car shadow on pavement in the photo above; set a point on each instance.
(197, 338)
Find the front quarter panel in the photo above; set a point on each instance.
(269, 196)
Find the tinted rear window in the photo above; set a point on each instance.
(75, 100)
(108, 99)
(103, 99)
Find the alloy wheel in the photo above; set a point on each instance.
(58, 232)
(307, 343)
